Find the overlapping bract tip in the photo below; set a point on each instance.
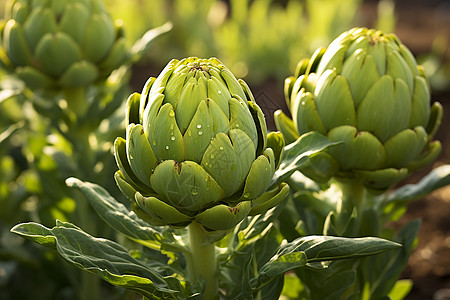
(366, 91)
(62, 44)
(197, 148)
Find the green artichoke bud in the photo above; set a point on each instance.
(61, 44)
(197, 148)
(366, 91)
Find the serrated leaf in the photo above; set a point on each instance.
(318, 248)
(297, 153)
(108, 259)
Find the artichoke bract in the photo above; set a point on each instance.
(61, 44)
(366, 91)
(197, 148)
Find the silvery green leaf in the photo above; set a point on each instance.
(381, 272)
(297, 153)
(312, 249)
(109, 260)
(437, 178)
(123, 220)
(141, 46)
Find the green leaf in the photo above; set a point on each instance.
(401, 289)
(115, 213)
(437, 178)
(124, 221)
(310, 249)
(108, 259)
(141, 46)
(381, 272)
(8, 132)
(297, 154)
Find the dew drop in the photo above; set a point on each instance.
(200, 132)
(189, 133)
(220, 148)
(237, 125)
(171, 126)
(171, 114)
(167, 147)
(172, 138)
(219, 92)
(199, 126)
(154, 143)
(213, 156)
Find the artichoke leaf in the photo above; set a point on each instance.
(164, 135)
(186, 186)
(286, 126)
(223, 217)
(405, 146)
(160, 211)
(259, 176)
(80, 73)
(269, 199)
(139, 153)
(56, 52)
(381, 179)
(228, 160)
(341, 110)
(359, 150)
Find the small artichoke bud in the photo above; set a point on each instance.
(197, 148)
(61, 44)
(367, 92)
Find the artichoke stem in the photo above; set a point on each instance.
(76, 101)
(353, 197)
(202, 261)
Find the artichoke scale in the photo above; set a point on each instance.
(228, 160)
(186, 186)
(160, 211)
(99, 37)
(223, 217)
(164, 135)
(56, 52)
(359, 150)
(15, 43)
(334, 101)
(139, 153)
(80, 73)
(40, 22)
(34, 78)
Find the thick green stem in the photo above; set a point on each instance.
(202, 261)
(353, 196)
(76, 100)
(84, 158)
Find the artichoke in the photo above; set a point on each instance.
(61, 44)
(367, 92)
(197, 149)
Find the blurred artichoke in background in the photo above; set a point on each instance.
(366, 91)
(197, 148)
(61, 44)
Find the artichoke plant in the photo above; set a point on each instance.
(61, 44)
(197, 149)
(367, 92)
